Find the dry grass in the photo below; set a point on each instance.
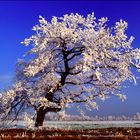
(59, 134)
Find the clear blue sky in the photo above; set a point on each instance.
(17, 19)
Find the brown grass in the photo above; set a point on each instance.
(59, 134)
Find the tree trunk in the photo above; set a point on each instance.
(40, 117)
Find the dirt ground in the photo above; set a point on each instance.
(59, 134)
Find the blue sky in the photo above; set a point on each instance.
(18, 18)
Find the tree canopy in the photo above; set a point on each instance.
(73, 59)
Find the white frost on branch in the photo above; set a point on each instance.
(74, 59)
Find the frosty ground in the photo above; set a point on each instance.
(79, 130)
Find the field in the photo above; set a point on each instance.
(82, 130)
(59, 134)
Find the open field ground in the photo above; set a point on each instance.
(73, 130)
(59, 134)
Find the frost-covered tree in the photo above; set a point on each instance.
(73, 59)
